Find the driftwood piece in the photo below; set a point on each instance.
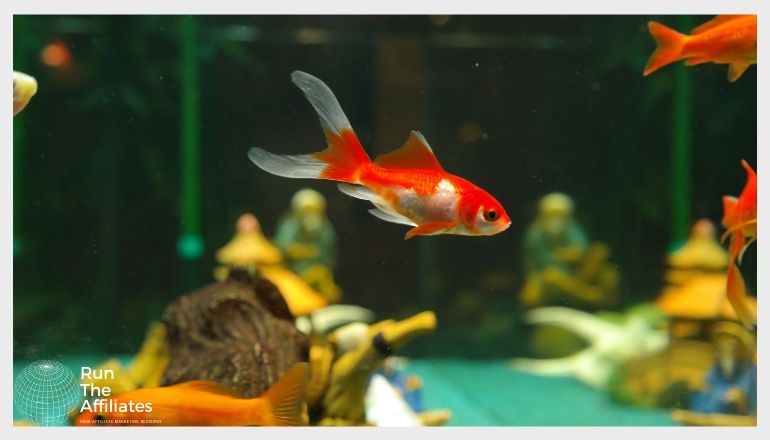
(238, 333)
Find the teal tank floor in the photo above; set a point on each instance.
(489, 393)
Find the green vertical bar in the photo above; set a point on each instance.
(20, 61)
(190, 245)
(681, 157)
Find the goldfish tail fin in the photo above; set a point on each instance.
(736, 293)
(740, 244)
(746, 246)
(285, 397)
(729, 203)
(749, 171)
(303, 166)
(670, 46)
(344, 157)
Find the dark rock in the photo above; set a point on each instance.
(238, 333)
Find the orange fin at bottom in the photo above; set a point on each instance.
(736, 70)
(697, 60)
(428, 229)
(286, 396)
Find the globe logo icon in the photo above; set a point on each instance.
(45, 392)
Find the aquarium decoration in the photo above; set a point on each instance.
(609, 344)
(359, 350)
(308, 241)
(727, 395)
(238, 333)
(251, 251)
(561, 264)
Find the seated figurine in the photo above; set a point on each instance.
(561, 266)
(309, 243)
(727, 395)
(731, 383)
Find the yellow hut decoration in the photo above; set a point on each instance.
(250, 249)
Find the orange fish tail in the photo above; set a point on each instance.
(670, 46)
(341, 161)
(284, 399)
(736, 294)
(729, 204)
(344, 158)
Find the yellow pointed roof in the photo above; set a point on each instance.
(702, 297)
(249, 247)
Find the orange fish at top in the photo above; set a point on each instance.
(726, 39)
(740, 219)
(407, 186)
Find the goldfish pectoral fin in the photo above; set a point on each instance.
(391, 216)
(736, 70)
(428, 229)
(696, 60)
(670, 46)
(285, 397)
(736, 294)
(358, 191)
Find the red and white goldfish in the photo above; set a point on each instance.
(407, 186)
(204, 403)
(740, 219)
(726, 39)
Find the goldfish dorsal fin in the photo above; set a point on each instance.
(207, 386)
(415, 154)
(714, 22)
(285, 397)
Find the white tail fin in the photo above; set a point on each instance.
(323, 100)
(303, 166)
(343, 158)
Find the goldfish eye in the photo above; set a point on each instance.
(491, 215)
(99, 418)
